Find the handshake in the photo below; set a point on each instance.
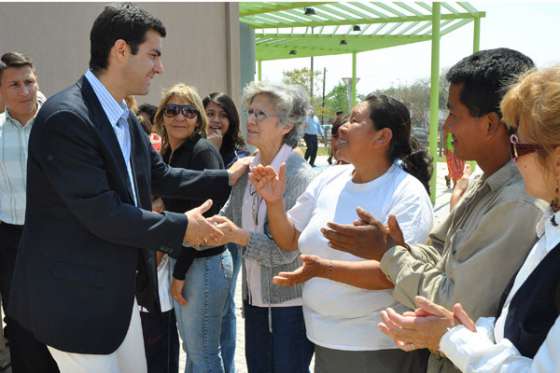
(203, 233)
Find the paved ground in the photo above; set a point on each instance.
(441, 210)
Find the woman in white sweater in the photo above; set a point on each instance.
(525, 335)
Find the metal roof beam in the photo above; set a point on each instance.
(364, 21)
(408, 8)
(275, 7)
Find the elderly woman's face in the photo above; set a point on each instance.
(356, 135)
(178, 126)
(263, 128)
(540, 179)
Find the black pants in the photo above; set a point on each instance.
(28, 355)
(161, 341)
(312, 146)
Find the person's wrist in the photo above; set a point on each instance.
(242, 237)
(324, 268)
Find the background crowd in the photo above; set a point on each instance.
(111, 253)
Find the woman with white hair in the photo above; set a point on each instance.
(275, 337)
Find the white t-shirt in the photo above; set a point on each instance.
(340, 316)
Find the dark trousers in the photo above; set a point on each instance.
(286, 349)
(380, 361)
(28, 355)
(312, 146)
(161, 341)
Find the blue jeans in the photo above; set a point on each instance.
(229, 323)
(286, 349)
(207, 285)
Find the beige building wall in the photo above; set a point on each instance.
(201, 47)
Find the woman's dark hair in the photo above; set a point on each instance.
(231, 140)
(386, 112)
(148, 109)
(125, 21)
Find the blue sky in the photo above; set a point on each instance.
(530, 27)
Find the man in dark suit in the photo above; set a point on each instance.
(85, 256)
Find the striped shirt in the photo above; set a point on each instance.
(14, 139)
(117, 114)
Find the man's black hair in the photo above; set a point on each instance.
(125, 21)
(485, 76)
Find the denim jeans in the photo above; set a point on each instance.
(286, 349)
(207, 285)
(229, 323)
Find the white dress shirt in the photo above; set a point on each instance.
(117, 114)
(14, 140)
(486, 350)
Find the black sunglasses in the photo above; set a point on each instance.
(172, 110)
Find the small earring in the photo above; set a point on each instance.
(555, 203)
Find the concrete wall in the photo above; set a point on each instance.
(201, 47)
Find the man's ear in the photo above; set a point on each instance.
(120, 50)
(495, 124)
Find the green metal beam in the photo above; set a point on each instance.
(476, 36)
(364, 21)
(434, 96)
(408, 7)
(354, 73)
(273, 7)
(260, 70)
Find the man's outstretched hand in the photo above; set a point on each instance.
(199, 230)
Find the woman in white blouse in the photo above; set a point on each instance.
(342, 297)
(525, 336)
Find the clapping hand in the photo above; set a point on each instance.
(424, 327)
(199, 230)
(313, 266)
(269, 185)
(366, 238)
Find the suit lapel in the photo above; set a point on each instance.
(101, 122)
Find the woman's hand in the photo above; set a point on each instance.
(177, 287)
(232, 233)
(313, 266)
(424, 327)
(269, 185)
(215, 138)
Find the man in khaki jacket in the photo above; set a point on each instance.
(471, 257)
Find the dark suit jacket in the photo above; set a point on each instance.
(86, 250)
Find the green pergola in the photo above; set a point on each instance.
(311, 29)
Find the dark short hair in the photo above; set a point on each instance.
(13, 59)
(232, 138)
(485, 76)
(148, 109)
(125, 21)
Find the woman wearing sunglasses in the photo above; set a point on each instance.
(201, 279)
(275, 338)
(525, 336)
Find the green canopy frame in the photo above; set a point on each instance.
(311, 29)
